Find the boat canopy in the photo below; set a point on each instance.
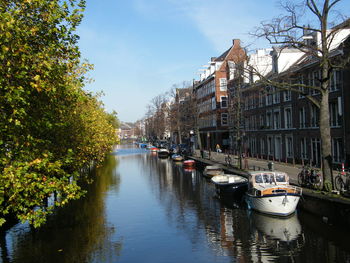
(267, 178)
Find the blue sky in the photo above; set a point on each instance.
(140, 48)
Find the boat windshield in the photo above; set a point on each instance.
(263, 178)
(281, 178)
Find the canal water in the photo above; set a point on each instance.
(144, 209)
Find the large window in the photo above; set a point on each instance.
(262, 146)
(315, 81)
(337, 150)
(288, 118)
(336, 80)
(276, 119)
(268, 120)
(261, 98)
(303, 148)
(314, 116)
(223, 84)
(334, 112)
(213, 103)
(301, 88)
(275, 95)
(289, 146)
(224, 102)
(224, 119)
(302, 118)
(287, 95)
(269, 97)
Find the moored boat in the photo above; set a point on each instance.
(177, 157)
(269, 192)
(212, 170)
(189, 163)
(230, 185)
(163, 153)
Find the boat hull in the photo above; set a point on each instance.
(235, 191)
(279, 204)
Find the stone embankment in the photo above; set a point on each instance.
(332, 208)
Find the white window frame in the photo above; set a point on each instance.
(288, 119)
(224, 99)
(289, 146)
(224, 119)
(223, 84)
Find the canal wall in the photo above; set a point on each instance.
(333, 209)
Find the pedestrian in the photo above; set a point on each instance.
(218, 148)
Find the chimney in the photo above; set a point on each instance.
(236, 43)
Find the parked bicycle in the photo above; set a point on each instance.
(228, 160)
(342, 182)
(310, 177)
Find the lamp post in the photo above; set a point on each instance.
(191, 141)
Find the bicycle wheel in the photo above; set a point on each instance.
(338, 183)
(318, 181)
(300, 178)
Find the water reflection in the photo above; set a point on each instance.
(71, 236)
(145, 209)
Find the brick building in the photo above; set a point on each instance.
(284, 125)
(211, 95)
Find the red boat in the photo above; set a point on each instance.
(189, 163)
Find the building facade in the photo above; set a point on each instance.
(212, 99)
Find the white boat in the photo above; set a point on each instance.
(212, 170)
(270, 193)
(230, 185)
(163, 153)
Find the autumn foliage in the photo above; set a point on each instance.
(51, 128)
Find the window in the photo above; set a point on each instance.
(287, 95)
(275, 95)
(262, 146)
(302, 118)
(303, 148)
(314, 112)
(315, 81)
(335, 117)
(223, 84)
(288, 118)
(223, 102)
(336, 80)
(276, 119)
(252, 145)
(268, 120)
(337, 150)
(213, 103)
(289, 146)
(261, 99)
(262, 121)
(268, 97)
(224, 119)
(270, 145)
(301, 88)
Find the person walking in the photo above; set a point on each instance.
(218, 149)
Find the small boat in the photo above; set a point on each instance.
(230, 185)
(270, 193)
(153, 149)
(212, 170)
(177, 157)
(163, 153)
(189, 163)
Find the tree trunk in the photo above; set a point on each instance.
(325, 132)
